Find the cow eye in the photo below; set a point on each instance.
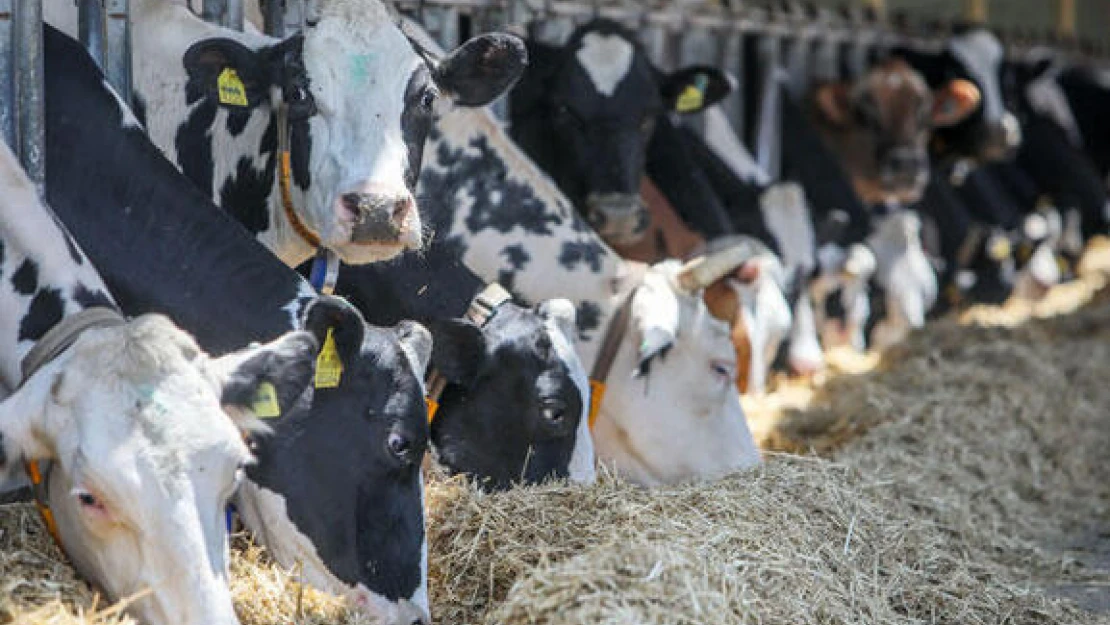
(724, 370)
(427, 99)
(88, 501)
(399, 445)
(554, 411)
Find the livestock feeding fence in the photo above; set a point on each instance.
(673, 33)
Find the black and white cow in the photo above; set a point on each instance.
(515, 406)
(991, 132)
(140, 427)
(348, 99)
(336, 491)
(1086, 87)
(585, 112)
(671, 410)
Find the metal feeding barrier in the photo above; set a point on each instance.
(673, 36)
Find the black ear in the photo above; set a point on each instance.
(226, 72)
(481, 69)
(285, 364)
(458, 351)
(693, 89)
(346, 324)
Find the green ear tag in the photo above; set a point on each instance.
(265, 404)
(232, 90)
(329, 367)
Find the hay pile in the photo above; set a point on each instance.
(960, 481)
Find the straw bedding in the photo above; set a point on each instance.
(966, 479)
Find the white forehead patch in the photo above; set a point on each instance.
(606, 59)
(981, 53)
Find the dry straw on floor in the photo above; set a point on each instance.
(958, 483)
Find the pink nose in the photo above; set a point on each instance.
(805, 366)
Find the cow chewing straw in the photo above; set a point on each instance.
(964, 481)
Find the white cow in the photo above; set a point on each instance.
(312, 140)
(128, 414)
(671, 411)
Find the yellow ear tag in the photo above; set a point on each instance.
(329, 367)
(1000, 249)
(433, 408)
(690, 99)
(265, 404)
(232, 90)
(597, 392)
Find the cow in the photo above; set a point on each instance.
(879, 125)
(336, 492)
(703, 192)
(314, 140)
(669, 410)
(137, 429)
(585, 112)
(991, 132)
(513, 403)
(1086, 87)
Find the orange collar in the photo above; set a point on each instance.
(285, 181)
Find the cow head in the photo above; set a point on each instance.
(671, 411)
(145, 458)
(586, 112)
(991, 132)
(350, 511)
(515, 406)
(751, 298)
(879, 125)
(359, 102)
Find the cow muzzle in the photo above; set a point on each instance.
(1002, 140)
(386, 219)
(620, 218)
(904, 172)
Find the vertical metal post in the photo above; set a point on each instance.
(1065, 18)
(273, 16)
(731, 59)
(226, 13)
(117, 49)
(7, 74)
(234, 17)
(90, 28)
(976, 10)
(27, 47)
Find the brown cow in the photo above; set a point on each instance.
(879, 126)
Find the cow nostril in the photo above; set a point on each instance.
(401, 209)
(351, 202)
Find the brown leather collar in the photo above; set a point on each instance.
(482, 308)
(615, 331)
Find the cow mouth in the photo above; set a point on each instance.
(619, 219)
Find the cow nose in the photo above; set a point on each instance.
(619, 218)
(905, 163)
(377, 216)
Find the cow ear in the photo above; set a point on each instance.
(481, 69)
(833, 103)
(23, 434)
(693, 89)
(954, 102)
(266, 380)
(227, 73)
(333, 316)
(416, 342)
(460, 350)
